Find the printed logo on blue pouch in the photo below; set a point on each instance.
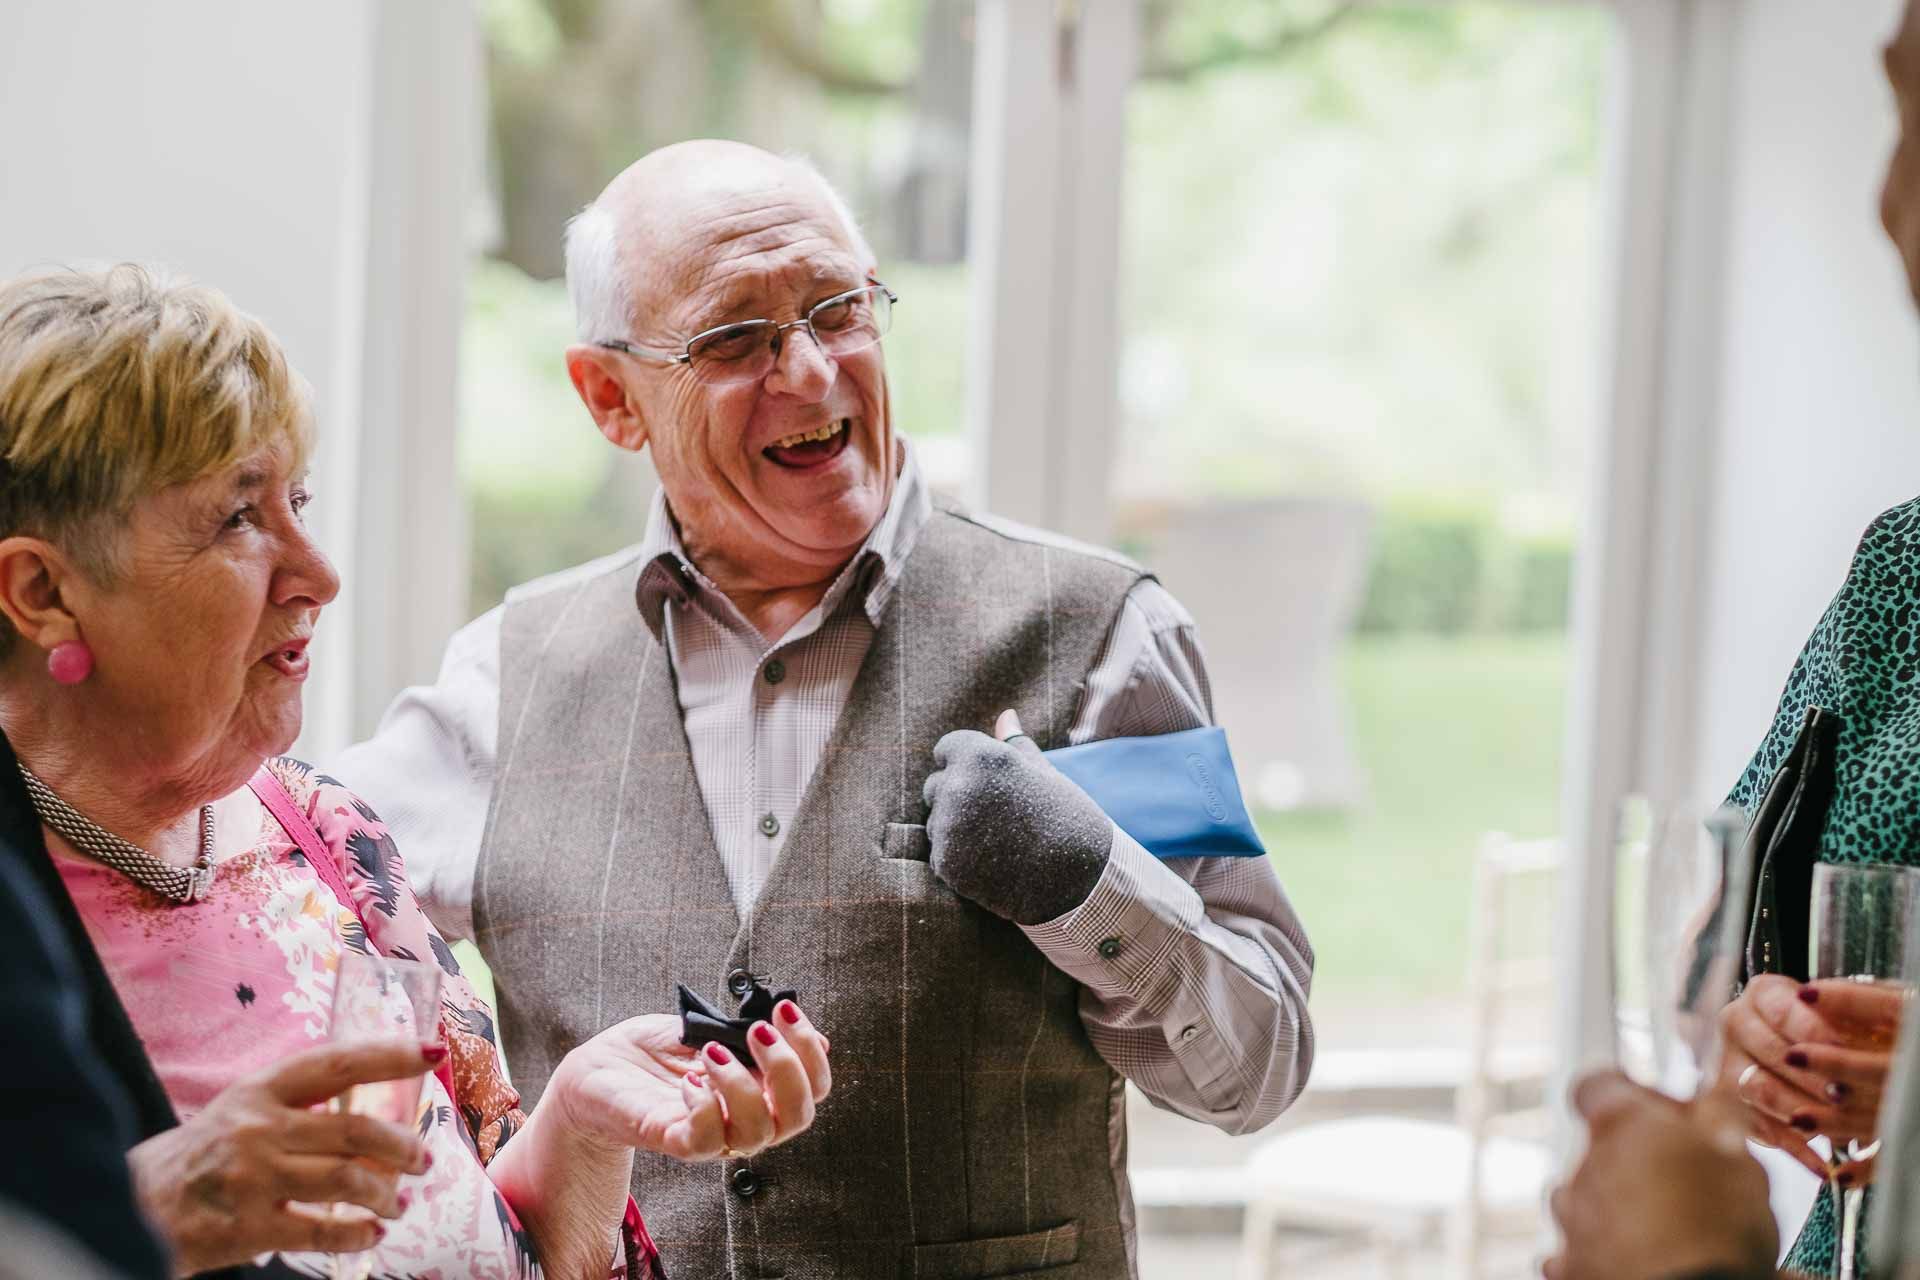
(1209, 794)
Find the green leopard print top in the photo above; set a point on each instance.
(1862, 662)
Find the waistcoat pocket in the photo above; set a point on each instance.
(907, 840)
(999, 1256)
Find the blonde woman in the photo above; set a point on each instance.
(158, 589)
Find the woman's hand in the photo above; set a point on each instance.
(220, 1187)
(1808, 1059)
(636, 1086)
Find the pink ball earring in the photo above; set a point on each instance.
(71, 662)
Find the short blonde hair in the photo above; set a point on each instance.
(117, 384)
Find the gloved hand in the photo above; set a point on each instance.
(1008, 830)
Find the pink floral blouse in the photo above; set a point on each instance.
(233, 983)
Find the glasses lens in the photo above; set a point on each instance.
(737, 353)
(852, 321)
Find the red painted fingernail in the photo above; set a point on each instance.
(429, 1162)
(719, 1055)
(1809, 996)
(764, 1034)
(1838, 1091)
(406, 1198)
(696, 1080)
(379, 1231)
(434, 1053)
(1796, 1059)
(1805, 1124)
(789, 1013)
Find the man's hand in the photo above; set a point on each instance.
(1008, 830)
(1665, 1190)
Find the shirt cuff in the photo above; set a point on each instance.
(1120, 941)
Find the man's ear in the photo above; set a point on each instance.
(595, 372)
(32, 574)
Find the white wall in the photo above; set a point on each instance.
(1819, 388)
(267, 149)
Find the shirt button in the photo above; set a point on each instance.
(775, 672)
(1110, 947)
(1188, 1033)
(746, 1183)
(769, 825)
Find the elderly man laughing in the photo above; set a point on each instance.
(748, 747)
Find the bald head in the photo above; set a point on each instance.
(642, 239)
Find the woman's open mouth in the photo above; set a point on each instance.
(290, 660)
(806, 449)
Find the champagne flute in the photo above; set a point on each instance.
(380, 999)
(1682, 879)
(1861, 916)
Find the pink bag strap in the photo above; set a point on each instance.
(296, 824)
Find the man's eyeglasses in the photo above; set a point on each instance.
(746, 351)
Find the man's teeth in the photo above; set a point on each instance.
(827, 432)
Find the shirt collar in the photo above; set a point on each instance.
(668, 573)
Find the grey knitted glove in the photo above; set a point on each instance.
(1009, 831)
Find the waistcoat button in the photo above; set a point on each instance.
(746, 1183)
(740, 982)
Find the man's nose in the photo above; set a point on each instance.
(800, 368)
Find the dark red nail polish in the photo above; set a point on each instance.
(1809, 996)
(1805, 1124)
(434, 1053)
(790, 1013)
(429, 1161)
(719, 1055)
(1844, 1178)
(1796, 1059)
(406, 1198)
(1839, 1092)
(697, 1081)
(764, 1034)
(379, 1231)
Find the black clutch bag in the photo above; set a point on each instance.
(1784, 843)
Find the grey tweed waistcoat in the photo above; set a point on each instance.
(971, 1124)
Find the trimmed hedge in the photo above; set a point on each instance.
(1446, 569)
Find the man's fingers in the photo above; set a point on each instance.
(325, 1072)
(323, 1180)
(322, 1133)
(1600, 1096)
(807, 1041)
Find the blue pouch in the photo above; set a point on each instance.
(1176, 794)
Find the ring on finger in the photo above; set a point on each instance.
(1746, 1077)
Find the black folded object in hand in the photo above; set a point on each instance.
(702, 1024)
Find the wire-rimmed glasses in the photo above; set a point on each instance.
(746, 350)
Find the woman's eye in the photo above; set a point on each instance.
(240, 519)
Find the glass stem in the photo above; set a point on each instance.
(1849, 1221)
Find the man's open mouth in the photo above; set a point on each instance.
(811, 448)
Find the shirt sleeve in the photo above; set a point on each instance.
(429, 770)
(1195, 972)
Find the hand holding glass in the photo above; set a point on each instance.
(376, 999)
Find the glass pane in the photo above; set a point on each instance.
(878, 93)
(1359, 372)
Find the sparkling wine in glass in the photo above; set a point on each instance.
(379, 999)
(1859, 932)
(1682, 879)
